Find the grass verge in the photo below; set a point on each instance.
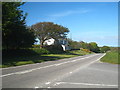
(111, 57)
(18, 60)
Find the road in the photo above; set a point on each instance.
(77, 72)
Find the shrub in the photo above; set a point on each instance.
(36, 46)
(23, 63)
(40, 50)
(104, 49)
(86, 50)
(17, 53)
(54, 49)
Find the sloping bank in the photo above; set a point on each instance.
(111, 57)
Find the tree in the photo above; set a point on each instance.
(105, 49)
(93, 47)
(73, 44)
(78, 45)
(15, 34)
(46, 30)
(84, 45)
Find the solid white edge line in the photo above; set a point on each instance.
(91, 84)
(26, 71)
(19, 66)
(32, 64)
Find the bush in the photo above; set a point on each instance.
(23, 63)
(17, 53)
(54, 49)
(23, 52)
(104, 49)
(86, 50)
(36, 46)
(40, 50)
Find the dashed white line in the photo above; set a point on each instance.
(73, 61)
(88, 64)
(7, 74)
(58, 83)
(71, 72)
(48, 87)
(20, 66)
(36, 87)
(47, 83)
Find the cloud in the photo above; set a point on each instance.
(70, 12)
(56, 16)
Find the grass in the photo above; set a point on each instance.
(111, 57)
(29, 57)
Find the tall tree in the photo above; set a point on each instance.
(46, 30)
(15, 34)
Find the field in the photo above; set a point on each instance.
(30, 56)
(111, 57)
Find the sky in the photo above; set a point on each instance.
(87, 21)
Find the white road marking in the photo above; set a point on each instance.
(23, 72)
(76, 70)
(27, 71)
(29, 64)
(89, 63)
(48, 87)
(73, 61)
(20, 66)
(58, 83)
(54, 84)
(7, 74)
(36, 87)
(47, 83)
(57, 64)
(97, 59)
(70, 72)
(90, 84)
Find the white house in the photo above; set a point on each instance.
(62, 42)
(49, 42)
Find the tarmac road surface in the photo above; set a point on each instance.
(77, 72)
